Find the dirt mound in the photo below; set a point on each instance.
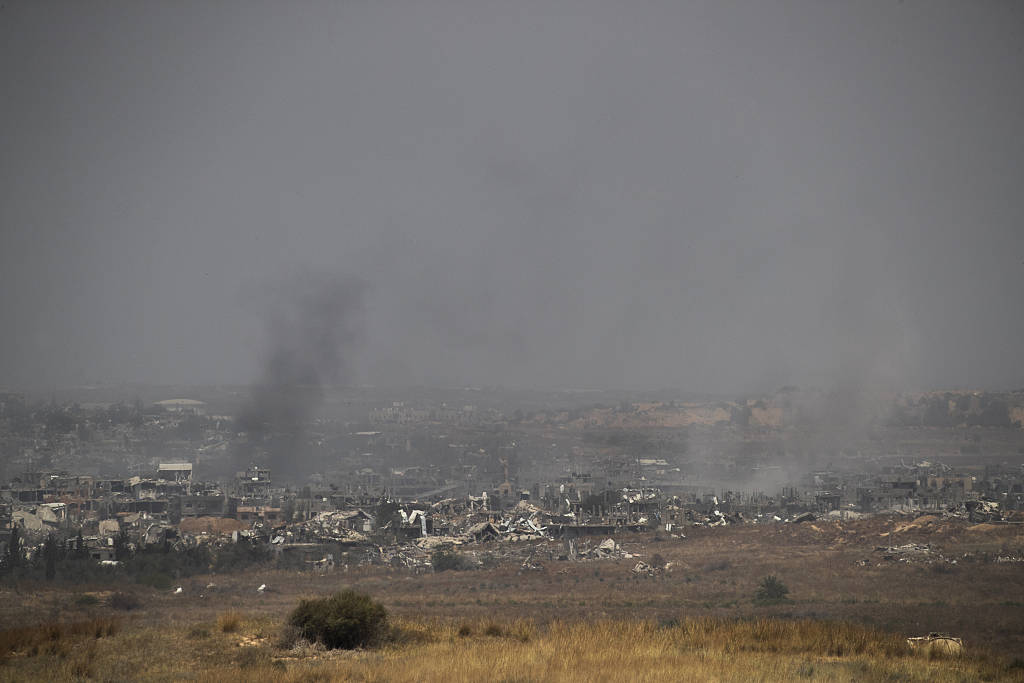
(927, 519)
(923, 523)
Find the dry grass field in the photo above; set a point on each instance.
(848, 615)
(704, 649)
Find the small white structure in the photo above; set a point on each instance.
(175, 471)
(182, 405)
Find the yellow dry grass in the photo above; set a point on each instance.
(229, 622)
(703, 649)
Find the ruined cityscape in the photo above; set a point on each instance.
(490, 506)
(543, 478)
(449, 341)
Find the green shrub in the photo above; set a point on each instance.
(771, 590)
(289, 637)
(345, 620)
(443, 560)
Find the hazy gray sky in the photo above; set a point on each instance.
(719, 196)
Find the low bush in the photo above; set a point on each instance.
(51, 638)
(229, 622)
(345, 620)
(494, 630)
(123, 601)
(771, 590)
(444, 560)
(523, 630)
(86, 600)
(289, 637)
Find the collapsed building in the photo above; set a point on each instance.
(322, 526)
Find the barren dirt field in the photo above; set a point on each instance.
(837, 576)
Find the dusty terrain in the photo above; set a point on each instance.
(944, 575)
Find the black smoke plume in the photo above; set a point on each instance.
(313, 322)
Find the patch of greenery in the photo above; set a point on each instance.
(345, 620)
(771, 591)
(444, 559)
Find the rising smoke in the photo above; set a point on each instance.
(313, 322)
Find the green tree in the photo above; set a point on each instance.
(50, 552)
(771, 590)
(13, 558)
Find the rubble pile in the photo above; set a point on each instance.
(913, 553)
(584, 550)
(408, 556)
(332, 526)
(367, 523)
(1000, 559)
(642, 568)
(975, 511)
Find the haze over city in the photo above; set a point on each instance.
(530, 340)
(714, 196)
